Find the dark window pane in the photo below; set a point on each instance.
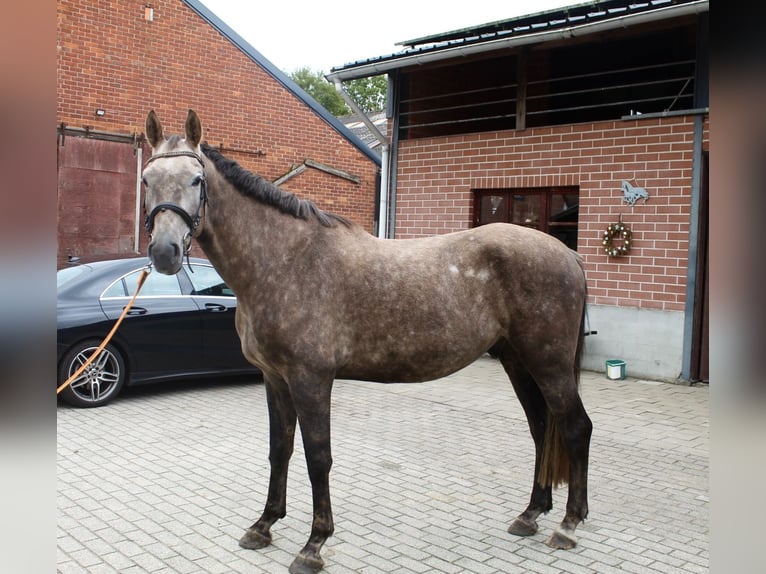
(526, 210)
(494, 208)
(563, 207)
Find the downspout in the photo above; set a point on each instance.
(691, 273)
(139, 170)
(393, 97)
(384, 176)
(382, 230)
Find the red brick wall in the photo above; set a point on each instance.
(436, 177)
(110, 57)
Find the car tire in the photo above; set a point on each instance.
(100, 382)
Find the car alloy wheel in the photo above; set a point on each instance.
(100, 382)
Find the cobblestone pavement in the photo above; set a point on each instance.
(426, 479)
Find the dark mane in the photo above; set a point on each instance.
(263, 190)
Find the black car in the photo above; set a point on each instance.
(180, 326)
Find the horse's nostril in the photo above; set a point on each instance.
(165, 256)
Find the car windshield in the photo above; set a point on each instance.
(65, 275)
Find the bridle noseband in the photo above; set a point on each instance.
(192, 221)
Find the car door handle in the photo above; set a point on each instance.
(215, 307)
(136, 311)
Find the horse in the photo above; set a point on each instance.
(631, 193)
(320, 298)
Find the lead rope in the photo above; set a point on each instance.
(108, 338)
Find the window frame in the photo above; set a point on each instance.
(546, 224)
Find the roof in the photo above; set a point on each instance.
(559, 23)
(281, 77)
(360, 129)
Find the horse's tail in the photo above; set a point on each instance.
(554, 463)
(583, 317)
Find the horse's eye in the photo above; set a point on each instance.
(197, 180)
(143, 180)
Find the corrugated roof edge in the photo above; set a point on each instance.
(281, 77)
(476, 42)
(545, 17)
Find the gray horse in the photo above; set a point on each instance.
(319, 298)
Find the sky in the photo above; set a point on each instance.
(323, 35)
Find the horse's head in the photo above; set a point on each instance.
(176, 192)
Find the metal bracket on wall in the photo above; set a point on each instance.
(301, 167)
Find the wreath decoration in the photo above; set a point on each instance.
(617, 231)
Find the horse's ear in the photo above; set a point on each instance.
(154, 129)
(193, 129)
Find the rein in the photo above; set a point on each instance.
(108, 338)
(191, 221)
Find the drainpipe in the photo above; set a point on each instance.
(139, 168)
(384, 155)
(383, 215)
(691, 274)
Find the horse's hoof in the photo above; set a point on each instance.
(561, 541)
(305, 565)
(522, 527)
(254, 540)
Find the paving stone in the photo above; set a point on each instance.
(426, 478)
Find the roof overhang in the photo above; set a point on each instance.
(383, 65)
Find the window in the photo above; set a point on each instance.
(206, 281)
(644, 69)
(156, 284)
(552, 210)
(651, 71)
(474, 96)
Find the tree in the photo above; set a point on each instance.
(368, 93)
(321, 90)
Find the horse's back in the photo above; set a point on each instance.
(418, 309)
(497, 259)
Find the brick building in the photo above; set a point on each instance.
(118, 60)
(540, 120)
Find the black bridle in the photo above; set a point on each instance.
(192, 221)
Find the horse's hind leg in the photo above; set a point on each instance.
(575, 430)
(566, 446)
(535, 409)
(561, 430)
(282, 419)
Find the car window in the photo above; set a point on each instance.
(156, 284)
(206, 281)
(116, 289)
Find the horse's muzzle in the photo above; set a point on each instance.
(166, 257)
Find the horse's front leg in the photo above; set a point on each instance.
(312, 401)
(281, 437)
